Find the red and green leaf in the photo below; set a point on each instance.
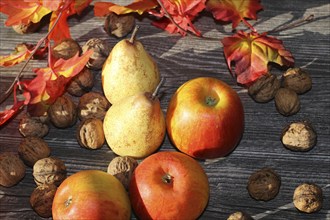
(234, 11)
(138, 6)
(251, 53)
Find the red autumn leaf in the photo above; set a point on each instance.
(23, 12)
(251, 54)
(183, 12)
(61, 29)
(138, 6)
(21, 53)
(50, 82)
(234, 11)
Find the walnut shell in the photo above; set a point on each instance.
(287, 102)
(299, 136)
(41, 199)
(119, 25)
(265, 88)
(298, 80)
(82, 83)
(101, 51)
(90, 133)
(34, 126)
(26, 28)
(239, 216)
(63, 112)
(49, 170)
(122, 168)
(31, 149)
(264, 184)
(12, 169)
(308, 198)
(93, 105)
(66, 49)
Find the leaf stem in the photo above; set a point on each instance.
(294, 24)
(249, 25)
(40, 42)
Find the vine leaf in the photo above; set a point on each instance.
(138, 6)
(23, 12)
(49, 84)
(21, 53)
(178, 16)
(234, 11)
(251, 53)
(61, 30)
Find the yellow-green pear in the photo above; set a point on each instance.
(135, 125)
(129, 69)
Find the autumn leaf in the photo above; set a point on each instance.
(139, 6)
(61, 29)
(21, 53)
(234, 11)
(50, 82)
(251, 53)
(23, 12)
(182, 13)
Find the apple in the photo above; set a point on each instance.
(169, 185)
(205, 118)
(91, 194)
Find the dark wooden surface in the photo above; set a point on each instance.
(181, 59)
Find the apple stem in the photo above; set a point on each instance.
(154, 94)
(167, 178)
(136, 28)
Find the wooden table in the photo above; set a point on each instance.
(183, 58)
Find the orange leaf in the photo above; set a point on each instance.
(23, 12)
(251, 53)
(51, 82)
(183, 13)
(138, 6)
(234, 11)
(61, 30)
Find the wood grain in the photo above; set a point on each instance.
(184, 58)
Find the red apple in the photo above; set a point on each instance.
(169, 185)
(205, 118)
(91, 194)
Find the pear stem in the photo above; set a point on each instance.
(136, 28)
(154, 94)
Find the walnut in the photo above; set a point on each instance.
(298, 80)
(299, 136)
(66, 49)
(265, 88)
(34, 126)
(119, 25)
(287, 102)
(90, 133)
(122, 168)
(308, 198)
(82, 83)
(264, 184)
(12, 169)
(32, 149)
(93, 105)
(101, 51)
(239, 216)
(26, 28)
(63, 112)
(49, 170)
(41, 199)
